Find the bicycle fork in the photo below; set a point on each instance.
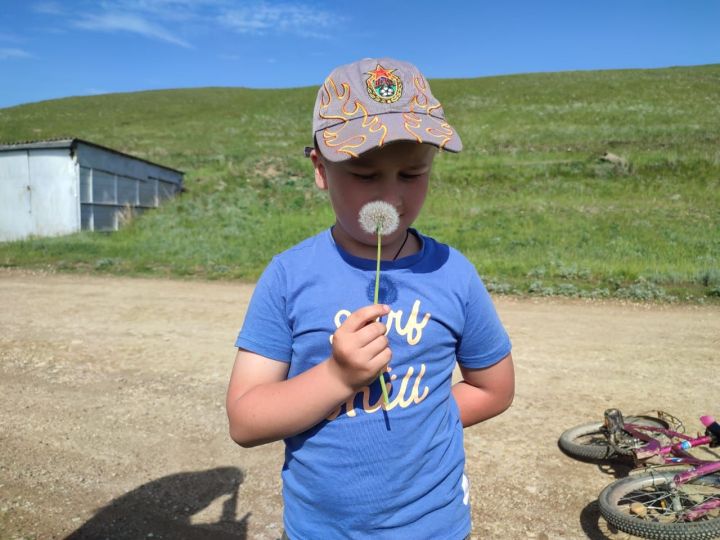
(688, 476)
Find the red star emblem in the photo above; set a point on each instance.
(383, 85)
(380, 71)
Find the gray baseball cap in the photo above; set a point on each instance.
(376, 101)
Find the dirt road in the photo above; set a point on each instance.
(112, 420)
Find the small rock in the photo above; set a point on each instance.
(616, 160)
(638, 509)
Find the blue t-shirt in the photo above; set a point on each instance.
(366, 472)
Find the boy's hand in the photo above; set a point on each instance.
(360, 349)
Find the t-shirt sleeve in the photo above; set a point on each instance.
(266, 330)
(484, 341)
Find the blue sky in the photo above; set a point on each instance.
(51, 49)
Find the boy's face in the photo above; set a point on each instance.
(397, 174)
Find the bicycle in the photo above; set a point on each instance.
(671, 494)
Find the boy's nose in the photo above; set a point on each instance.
(395, 200)
(391, 193)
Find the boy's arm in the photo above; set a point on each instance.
(264, 406)
(484, 393)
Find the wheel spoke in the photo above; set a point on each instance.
(628, 442)
(666, 505)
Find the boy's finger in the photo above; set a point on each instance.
(376, 346)
(360, 318)
(371, 331)
(382, 359)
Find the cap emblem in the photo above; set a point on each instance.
(383, 85)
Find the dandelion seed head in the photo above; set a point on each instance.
(379, 217)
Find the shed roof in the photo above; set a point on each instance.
(72, 144)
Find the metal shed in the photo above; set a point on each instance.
(49, 188)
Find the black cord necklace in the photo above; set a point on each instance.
(407, 235)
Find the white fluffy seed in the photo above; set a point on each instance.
(379, 217)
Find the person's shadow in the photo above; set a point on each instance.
(163, 509)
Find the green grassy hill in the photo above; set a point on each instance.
(529, 200)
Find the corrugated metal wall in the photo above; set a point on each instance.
(113, 185)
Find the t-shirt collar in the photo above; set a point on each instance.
(370, 264)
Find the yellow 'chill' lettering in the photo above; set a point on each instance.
(399, 398)
(415, 396)
(367, 407)
(402, 398)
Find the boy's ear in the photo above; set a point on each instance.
(320, 170)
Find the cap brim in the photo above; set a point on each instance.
(349, 139)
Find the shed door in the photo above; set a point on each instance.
(54, 189)
(16, 220)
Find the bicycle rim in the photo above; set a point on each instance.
(647, 505)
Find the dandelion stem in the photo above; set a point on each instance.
(386, 399)
(377, 268)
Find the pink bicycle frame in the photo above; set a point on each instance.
(678, 451)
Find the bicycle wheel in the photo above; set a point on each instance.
(588, 441)
(647, 505)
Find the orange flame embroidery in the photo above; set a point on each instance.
(351, 110)
(439, 129)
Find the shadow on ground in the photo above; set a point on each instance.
(590, 522)
(590, 518)
(163, 508)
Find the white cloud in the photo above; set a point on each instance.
(122, 22)
(8, 53)
(263, 18)
(171, 20)
(192, 11)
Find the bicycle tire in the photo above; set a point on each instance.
(588, 441)
(656, 518)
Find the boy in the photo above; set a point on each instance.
(312, 345)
